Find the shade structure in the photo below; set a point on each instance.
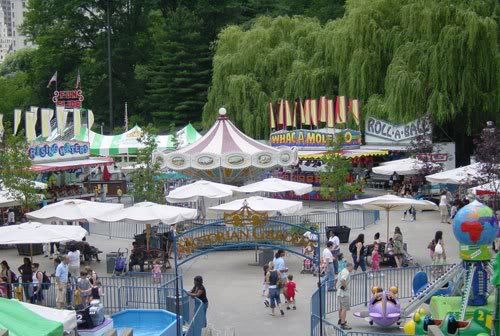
(389, 203)
(149, 213)
(491, 188)
(72, 210)
(199, 189)
(36, 184)
(68, 165)
(462, 175)
(226, 155)
(6, 200)
(262, 204)
(128, 142)
(66, 317)
(275, 185)
(38, 233)
(402, 167)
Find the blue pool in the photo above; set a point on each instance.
(146, 322)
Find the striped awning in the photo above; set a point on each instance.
(348, 153)
(128, 142)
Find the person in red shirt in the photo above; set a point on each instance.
(291, 289)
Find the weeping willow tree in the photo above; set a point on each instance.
(403, 58)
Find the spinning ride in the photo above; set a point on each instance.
(475, 227)
(227, 155)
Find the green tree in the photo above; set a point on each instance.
(147, 184)
(177, 78)
(16, 175)
(15, 92)
(334, 175)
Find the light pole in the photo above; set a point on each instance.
(110, 78)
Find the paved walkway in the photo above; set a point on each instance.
(234, 287)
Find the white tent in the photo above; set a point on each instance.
(72, 210)
(263, 204)
(36, 184)
(149, 213)
(462, 175)
(191, 192)
(6, 200)
(401, 167)
(37, 233)
(486, 189)
(275, 185)
(388, 203)
(66, 317)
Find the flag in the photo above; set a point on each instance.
(340, 110)
(302, 115)
(1, 124)
(281, 113)
(77, 85)
(272, 122)
(29, 121)
(323, 109)
(17, 119)
(77, 122)
(288, 113)
(52, 79)
(294, 122)
(47, 115)
(61, 117)
(307, 112)
(314, 112)
(330, 115)
(356, 111)
(90, 119)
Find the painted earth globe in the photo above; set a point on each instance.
(475, 224)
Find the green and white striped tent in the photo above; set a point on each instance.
(127, 143)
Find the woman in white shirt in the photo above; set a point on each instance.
(443, 207)
(74, 261)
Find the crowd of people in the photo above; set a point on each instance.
(73, 286)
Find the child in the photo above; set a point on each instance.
(264, 286)
(3, 287)
(156, 271)
(290, 290)
(84, 287)
(342, 262)
(96, 292)
(375, 258)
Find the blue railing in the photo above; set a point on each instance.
(360, 293)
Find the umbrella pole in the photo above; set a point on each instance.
(387, 214)
(31, 252)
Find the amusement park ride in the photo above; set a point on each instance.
(459, 299)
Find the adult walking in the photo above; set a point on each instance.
(26, 271)
(200, 292)
(9, 275)
(279, 265)
(437, 249)
(330, 270)
(357, 249)
(443, 207)
(273, 277)
(335, 251)
(37, 296)
(62, 283)
(74, 261)
(344, 296)
(398, 246)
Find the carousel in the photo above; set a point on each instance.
(226, 155)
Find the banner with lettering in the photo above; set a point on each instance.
(380, 131)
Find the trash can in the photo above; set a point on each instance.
(110, 261)
(265, 256)
(341, 231)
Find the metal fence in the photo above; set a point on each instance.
(137, 291)
(360, 293)
(354, 219)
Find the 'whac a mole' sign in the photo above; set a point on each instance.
(379, 131)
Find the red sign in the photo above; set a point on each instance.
(69, 99)
(434, 157)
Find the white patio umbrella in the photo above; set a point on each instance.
(388, 203)
(460, 175)
(401, 167)
(191, 192)
(6, 200)
(490, 188)
(263, 204)
(36, 184)
(72, 210)
(149, 213)
(38, 233)
(276, 185)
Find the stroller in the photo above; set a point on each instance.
(121, 262)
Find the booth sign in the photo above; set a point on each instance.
(314, 139)
(58, 151)
(69, 99)
(379, 131)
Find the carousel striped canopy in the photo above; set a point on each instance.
(225, 147)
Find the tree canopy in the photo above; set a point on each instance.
(403, 58)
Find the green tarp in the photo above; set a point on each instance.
(20, 321)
